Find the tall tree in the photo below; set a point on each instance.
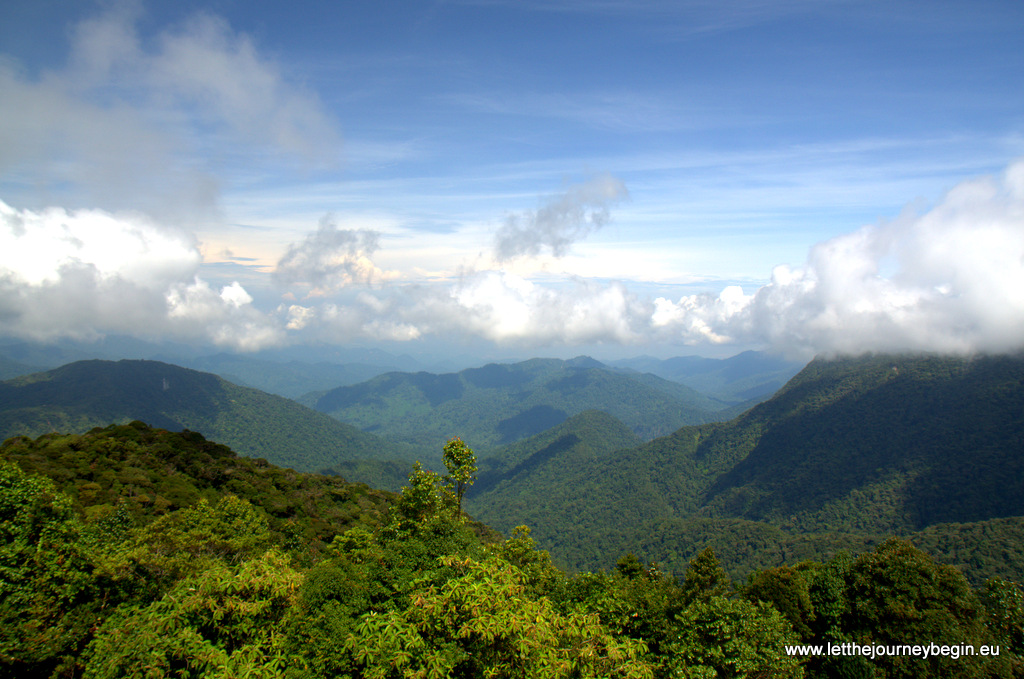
(705, 578)
(460, 461)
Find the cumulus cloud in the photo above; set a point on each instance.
(330, 258)
(226, 318)
(122, 123)
(508, 309)
(36, 247)
(496, 306)
(950, 279)
(87, 273)
(561, 221)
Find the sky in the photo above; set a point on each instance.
(528, 177)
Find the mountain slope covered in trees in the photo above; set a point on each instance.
(747, 376)
(10, 368)
(499, 404)
(847, 452)
(149, 472)
(86, 394)
(522, 468)
(290, 379)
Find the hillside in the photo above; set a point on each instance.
(86, 394)
(152, 472)
(747, 376)
(579, 441)
(849, 451)
(290, 379)
(884, 443)
(499, 404)
(285, 371)
(9, 368)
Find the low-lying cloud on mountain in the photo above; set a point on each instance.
(946, 279)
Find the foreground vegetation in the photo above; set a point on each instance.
(136, 552)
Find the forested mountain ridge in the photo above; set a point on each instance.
(747, 376)
(884, 443)
(578, 441)
(498, 404)
(850, 450)
(79, 396)
(10, 368)
(290, 379)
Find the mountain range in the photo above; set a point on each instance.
(413, 412)
(498, 403)
(746, 377)
(849, 451)
(95, 393)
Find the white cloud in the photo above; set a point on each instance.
(226, 318)
(36, 247)
(299, 316)
(508, 309)
(697, 319)
(950, 279)
(223, 74)
(945, 279)
(561, 221)
(123, 123)
(88, 273)
(330, 258)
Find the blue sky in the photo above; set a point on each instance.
(535, 177)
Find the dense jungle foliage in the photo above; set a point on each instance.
(136, 552)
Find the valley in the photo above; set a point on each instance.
(600, 459)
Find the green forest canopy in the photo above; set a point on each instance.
(131, 551)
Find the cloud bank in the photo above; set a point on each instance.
(950, 279)
(87, 273)
(946, 279)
